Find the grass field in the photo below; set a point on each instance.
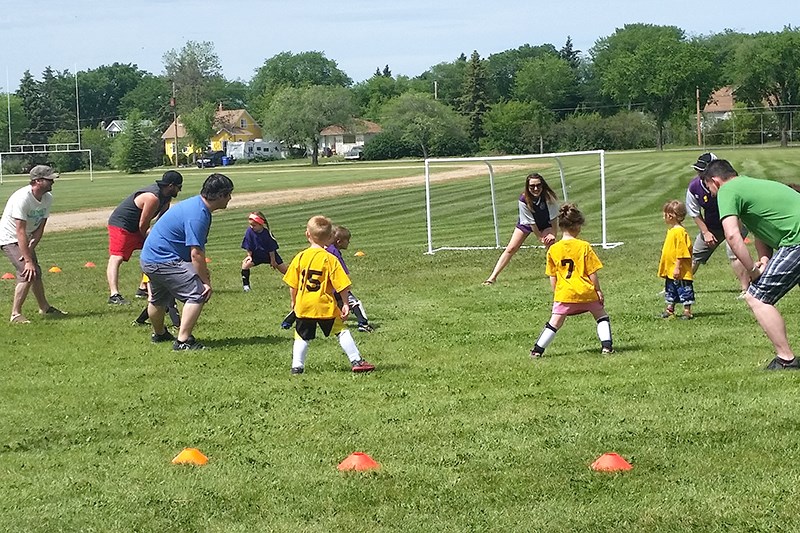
(470, 433)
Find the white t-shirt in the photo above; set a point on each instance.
(22, 205)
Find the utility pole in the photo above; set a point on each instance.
(435, 90)
(697, 101)
(172, 104)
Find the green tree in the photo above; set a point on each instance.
(152, 98)
(98, 141)
(102, 89)
(501, 68)
(474, 100)
(516, 127)
(297, 115)
(370, 95)
(193, 69)
(444, 81)
(570, 55)
(64, 161)
(654, 67)
(293, 70)
(420, 120)
(767, 69)
(19, 121)
(549, 80)
(199, 125)
(132, 150)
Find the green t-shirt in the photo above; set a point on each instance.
(771, 210)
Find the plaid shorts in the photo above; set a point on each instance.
(678, 291)
(780, 276)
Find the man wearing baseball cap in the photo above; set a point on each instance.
(130, 222)
(701, 205)
(21, 229)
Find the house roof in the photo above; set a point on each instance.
(359, 126)
(720, 101)
(224, 119)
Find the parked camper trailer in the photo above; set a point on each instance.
(258, 148)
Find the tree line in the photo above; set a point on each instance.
(635, 88)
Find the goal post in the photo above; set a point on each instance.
(490, 163)
(36, 149)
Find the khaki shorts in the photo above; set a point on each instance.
(14, 255)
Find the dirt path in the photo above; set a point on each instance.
(92, 218)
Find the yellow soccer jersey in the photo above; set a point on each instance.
(316, 274)
(572, 261)
(677, 245)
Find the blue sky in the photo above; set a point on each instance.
(359, 35)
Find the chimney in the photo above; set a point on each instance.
(220, 106)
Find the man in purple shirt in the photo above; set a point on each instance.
(703, 208)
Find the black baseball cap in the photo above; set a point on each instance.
(170, 177)
(703, 161)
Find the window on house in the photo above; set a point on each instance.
(243, 123)
(349, 139)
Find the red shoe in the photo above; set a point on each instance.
(362, 366)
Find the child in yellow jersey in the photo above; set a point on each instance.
(675, 265)
(572, 266)
(313, 276)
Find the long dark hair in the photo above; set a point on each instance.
(547, 193)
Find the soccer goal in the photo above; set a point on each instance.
(28, 149)
(491, 207)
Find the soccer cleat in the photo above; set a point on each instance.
(667, 314)
(53, 312)
(189, 344)
(286, 325)
(607, 351)
(366, 328)
(361, 366)
(783, 364)
(117, 299)
(162, 337)
(297, 370)
(246, 288)
(141, 293)
(535, 354)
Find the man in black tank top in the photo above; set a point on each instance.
(129, 223)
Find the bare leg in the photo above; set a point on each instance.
(189, 316)
(156, 314)
(771, 321)
(517, 238)
(112, 273)
(37, 287)
(741, 274)
(20, 293)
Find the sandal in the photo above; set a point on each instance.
(488, 282)
(19, 319)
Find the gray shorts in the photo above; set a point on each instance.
(177, 279)
(702, 251)
(14, 255)
(781, 275)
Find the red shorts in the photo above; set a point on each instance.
(122, 242)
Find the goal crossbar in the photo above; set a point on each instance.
(488, 162)
(48, 150)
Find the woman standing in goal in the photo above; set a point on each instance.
(538, 213)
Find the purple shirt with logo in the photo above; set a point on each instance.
(332, 249)
(700, 203)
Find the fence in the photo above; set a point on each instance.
(751, 125)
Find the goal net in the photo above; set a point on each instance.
(38, 149)
(472, 202)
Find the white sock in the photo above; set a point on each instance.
(547, 336)
(299, 351)
(604, 329)
(349, 345)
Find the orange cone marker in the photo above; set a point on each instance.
(54, 269)
(8, 275)
(190, 456)
(358, 461)
(89, 265)
(359, 254)
(208, 259)
(747, 240)
(610, 462)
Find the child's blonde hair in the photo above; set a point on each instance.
(570, 217)
(320, 229)
(676, 208)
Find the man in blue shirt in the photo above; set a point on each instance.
(174, 259)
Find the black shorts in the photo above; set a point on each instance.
(306, 328)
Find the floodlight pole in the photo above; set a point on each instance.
(8, 109)
(77, 107)
(174, 105)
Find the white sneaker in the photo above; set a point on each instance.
(246, 288)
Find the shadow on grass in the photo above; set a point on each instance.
(232, 342)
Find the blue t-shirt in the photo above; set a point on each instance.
(184, 225)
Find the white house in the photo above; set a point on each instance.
(340, 140)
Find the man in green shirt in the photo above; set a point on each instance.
(771, 211)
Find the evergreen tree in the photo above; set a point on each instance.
(31, 96)
(386, 72)
(473, 101)
(132, 148)
(570, 55)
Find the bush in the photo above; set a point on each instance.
(389, 145)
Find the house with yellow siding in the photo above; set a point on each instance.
(231, 125)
